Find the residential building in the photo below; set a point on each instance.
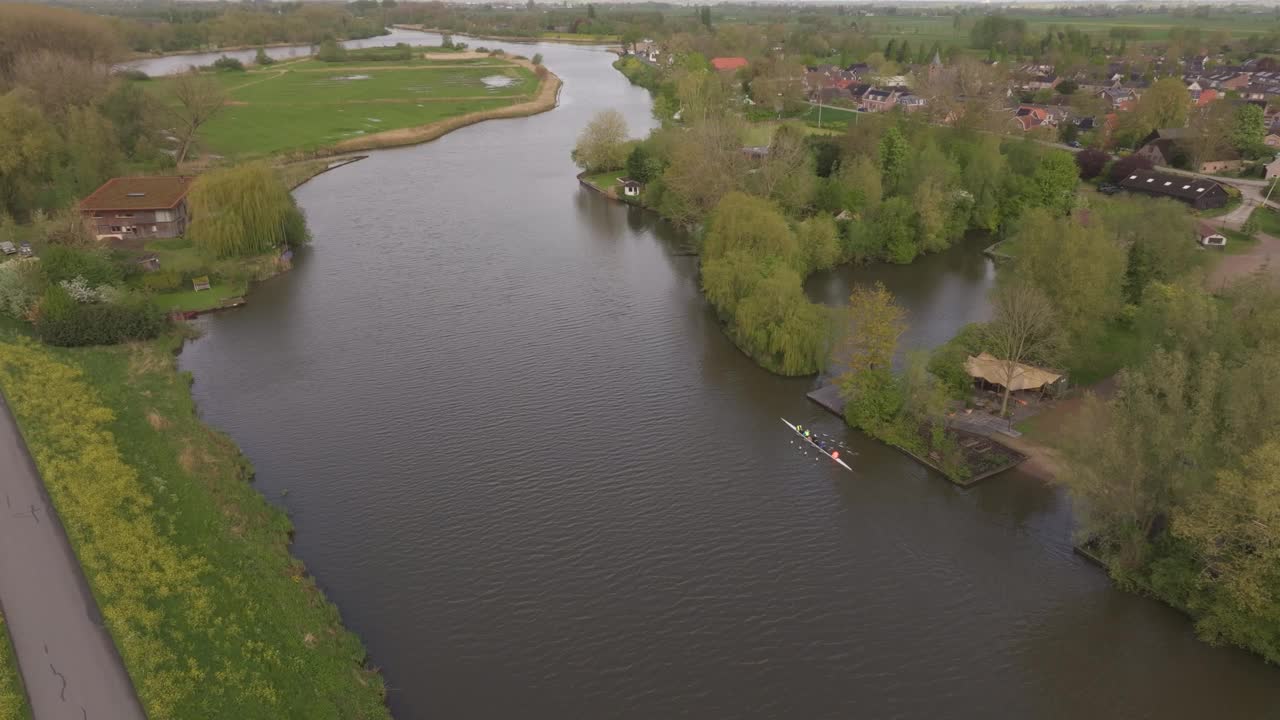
(879, 100)
(728, 64)
(138, 207)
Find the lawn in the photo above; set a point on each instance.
(13, 701)
(189, 564)
(1237, 242)
(191, 301)
(607, 181)
(304, 106)
(1268, 221)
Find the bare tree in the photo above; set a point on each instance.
(199, 98)
(1024, 327)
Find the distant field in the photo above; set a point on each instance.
(1153, 26)
(309, 104)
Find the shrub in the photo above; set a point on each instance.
(22, 282)
(131, 74)
(947, 361)
(262, 58)
(537, 58)
(66, 263)
(62, 321)
(1090, 163)
(228, 63)
(331, 51)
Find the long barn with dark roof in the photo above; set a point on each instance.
(1197, 192)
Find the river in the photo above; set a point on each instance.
(540, 482)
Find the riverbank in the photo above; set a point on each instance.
(135, 56)
(565, 38)
(546, 98)
(211, 614)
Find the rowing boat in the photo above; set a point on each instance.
(834, 454)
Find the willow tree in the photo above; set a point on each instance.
(244, 210)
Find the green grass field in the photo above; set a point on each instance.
(1152, 26)
(13, 701)
(303, 106)
(190, 565)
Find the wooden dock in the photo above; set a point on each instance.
(828, 396)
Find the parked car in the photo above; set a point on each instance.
(1108, 189)
(1075, 144)
(24, 249)
(7, 248)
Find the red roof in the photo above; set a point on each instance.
(728, 63)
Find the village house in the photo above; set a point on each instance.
(1199, 193)
(911, 102)
(1029, 117)
(1272, 169)
(1169, 147)
(138, 207)
(630, 188)
(728, 64)
(1271, 140)
(879, 100)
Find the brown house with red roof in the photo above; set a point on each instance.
(138, 207)
(724, 64)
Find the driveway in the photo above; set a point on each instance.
(68, 661)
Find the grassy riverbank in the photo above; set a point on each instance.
(188, 562)
(309, 105)
(13, 701)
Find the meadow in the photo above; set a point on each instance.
(310, 104)
(189, 564)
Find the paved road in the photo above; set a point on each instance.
(68, 661)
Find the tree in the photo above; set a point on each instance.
(602, 145)
(1077, 266)
(1248, 128)
(861, 180)
(1090, 163)
(537, 59)
(243, 210)
(787, 174)
(591, 11)
(1053, 185)
(1164, 105)
(1023, 329)
(199, 99)
(60, 81)
(893, 157)
(1125, 166)
(895, 225)
(262, 59)
(1122, 480)
(1234, 527)
(752, 225)
(705, 16)
(88, 169)
(706, 163)
(819, 243)
(875, 322)
(31, 148)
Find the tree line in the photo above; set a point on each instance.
(172, 28)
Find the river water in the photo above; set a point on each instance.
(540, 483)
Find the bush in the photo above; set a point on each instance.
(22, 282)
(228, 64)
(262, 58)
(397, 52)
(131, 74)
(537, 58)
(64, 322)
(66, 263)
(947, 360)
(331, 51)
(1091, 162)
